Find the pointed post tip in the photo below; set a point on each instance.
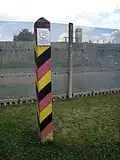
(42, 19)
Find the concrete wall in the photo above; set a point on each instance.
(95, 67)
(19, 57)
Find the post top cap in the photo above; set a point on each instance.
(42, 20)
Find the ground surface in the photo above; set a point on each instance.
(85, 129)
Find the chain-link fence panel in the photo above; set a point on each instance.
(17, 65)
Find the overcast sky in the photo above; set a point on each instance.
(102, 13)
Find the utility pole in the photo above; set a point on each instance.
(70, 65)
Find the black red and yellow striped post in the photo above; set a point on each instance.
(42, 52)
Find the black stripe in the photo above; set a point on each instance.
(41, 23)
(44, 92)
(43, 57)
(36, 91)
(45, 122)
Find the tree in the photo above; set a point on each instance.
(90, 41)
(24, 35)
(109, 42)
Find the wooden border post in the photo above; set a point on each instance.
(42, 52)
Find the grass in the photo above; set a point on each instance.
(85, 129)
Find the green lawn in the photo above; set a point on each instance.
(85, 129)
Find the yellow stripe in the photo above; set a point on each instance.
(40, 49)
(35, 45)
(45, 112)
(44, 81)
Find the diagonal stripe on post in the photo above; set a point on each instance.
(42, 53)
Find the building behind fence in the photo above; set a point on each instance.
(95, 67)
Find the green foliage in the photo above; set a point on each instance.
(24, 35)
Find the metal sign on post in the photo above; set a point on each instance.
(43, 35)
(42, 51)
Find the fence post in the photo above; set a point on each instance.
(70, 66)
(42, 53)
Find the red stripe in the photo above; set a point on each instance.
(45, 102)
(46, 131)
(40, 72)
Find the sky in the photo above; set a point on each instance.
(89, 13)
(92, 13)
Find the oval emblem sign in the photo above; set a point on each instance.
(44, 35)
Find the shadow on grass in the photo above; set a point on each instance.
(28, 147)
(67, 149)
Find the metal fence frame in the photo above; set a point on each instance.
(70, 94)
